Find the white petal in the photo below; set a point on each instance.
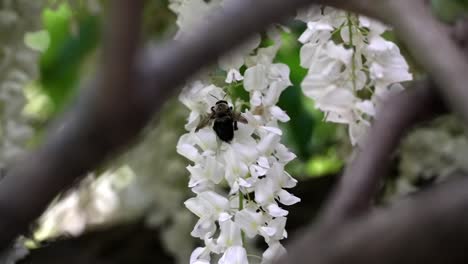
(200, 256)
(308, 53)
(279, 225)
(212, 246)
(233, 75)
(188, 151)
(256, 98)
(264, 191)
(195, 207)
(273, 130)
(262, 161)
(268, 231)
(283, 154)
(249, 221)
(255, 78)
(339, 52)
(246, 152)
(357, 131)
(203, 228)
(379, 44)
(230, 234)
(206, 139)
(268, 143)
(224, 216)
(366, 107)
(234, 255)
(287, 199)
(276, 211)
(207, 204)
(244, 183)
(259, 171)
(279, 114)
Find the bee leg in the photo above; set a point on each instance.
(235, 125)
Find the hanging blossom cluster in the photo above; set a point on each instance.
(240, 185)
(352, 68)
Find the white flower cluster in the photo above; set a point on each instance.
(238, 185)
(351, 66)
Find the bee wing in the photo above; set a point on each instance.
(239, 118)
(204, 121)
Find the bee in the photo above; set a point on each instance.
(224, 120)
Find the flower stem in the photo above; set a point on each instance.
(241, 206)
(353, 59)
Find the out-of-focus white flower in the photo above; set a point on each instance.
(192, 14)
(339, 71)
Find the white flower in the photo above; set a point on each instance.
(200, 255)
(230, 234)
(192, 14)
(207, 204)
(336, 74)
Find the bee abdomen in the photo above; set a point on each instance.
(224, 129)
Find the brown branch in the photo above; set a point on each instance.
(431, 228)
(361, 178)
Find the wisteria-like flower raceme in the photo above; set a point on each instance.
(352, 68)
(239, 185)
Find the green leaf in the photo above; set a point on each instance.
(62, 63)
(39, 40)
(324, 165)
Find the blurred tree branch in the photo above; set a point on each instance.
(428, 228)
(362, 177)
(345, 227)
(131, 88)
(126, 94)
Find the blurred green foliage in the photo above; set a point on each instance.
(450, 10)
(62, 62)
